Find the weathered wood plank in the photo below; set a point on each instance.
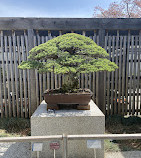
(24, 77)
(82, 80)
(4, 75)
(20, 76)
(30, 35)
(90, 81)
(116, 73)
(28, 78)
(86, 80)
(60, 75)
(127, 72)
(108, 80)
(123, 73)
(16, 77)
(131, 71)
(37, 78)
(94, 74)
(138, 77)
(48, 74)
(8, 78)
(12, 74)
(69, 23)
(40, 75)
(97, 87)
(105, 79)
(52, 80)
(94, 87)
(44, 75)
(120, 74)
(1, 92)
(134, 75)
(59, 81)
(112, 77)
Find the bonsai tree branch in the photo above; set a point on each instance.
(69, 54)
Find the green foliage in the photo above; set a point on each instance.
(69, 53)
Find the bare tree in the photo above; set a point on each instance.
(122, 9)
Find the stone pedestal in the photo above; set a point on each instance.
(68, 122)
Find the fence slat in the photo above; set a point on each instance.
(131, 69)
(4, 75)
(8, 77)
(90, 81)
(94, 87)
(1, 98)
(127, 72)
(37, 78)
(12, 74)
(134, 77)
(20, 76)
(108, 80)
(16, 77)
(120, 74)
(123, 74)
(105, 80)
(112, 77)
(44, 75)
(40, 75)
(138, 78)
(116, 74)
(24, 77)
(82, 80)
(97, 86)
(28, 78)
(86, 80)
(48, 74)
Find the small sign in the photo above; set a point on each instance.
(96, 144)
(37, 146)
(54, 145)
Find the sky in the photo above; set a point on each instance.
(50, 8)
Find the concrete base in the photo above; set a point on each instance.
(69, 122)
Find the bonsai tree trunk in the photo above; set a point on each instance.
(71, 82)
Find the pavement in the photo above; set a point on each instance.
(15, 150)
(125, 154)
(23, 150)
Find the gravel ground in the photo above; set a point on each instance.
(15, 150)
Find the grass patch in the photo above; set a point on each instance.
(4, 133)
(122, 125)
(14, 127)
(110, 146)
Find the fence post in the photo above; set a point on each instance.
(100, 90)
(65, 148)
(32, 76)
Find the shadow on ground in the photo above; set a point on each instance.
(124, 125)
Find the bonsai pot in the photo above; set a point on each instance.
(79, 100)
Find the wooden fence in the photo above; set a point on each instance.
(117, 92)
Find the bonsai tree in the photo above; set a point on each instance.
(69, 54)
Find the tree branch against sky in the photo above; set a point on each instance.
(122, 9)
